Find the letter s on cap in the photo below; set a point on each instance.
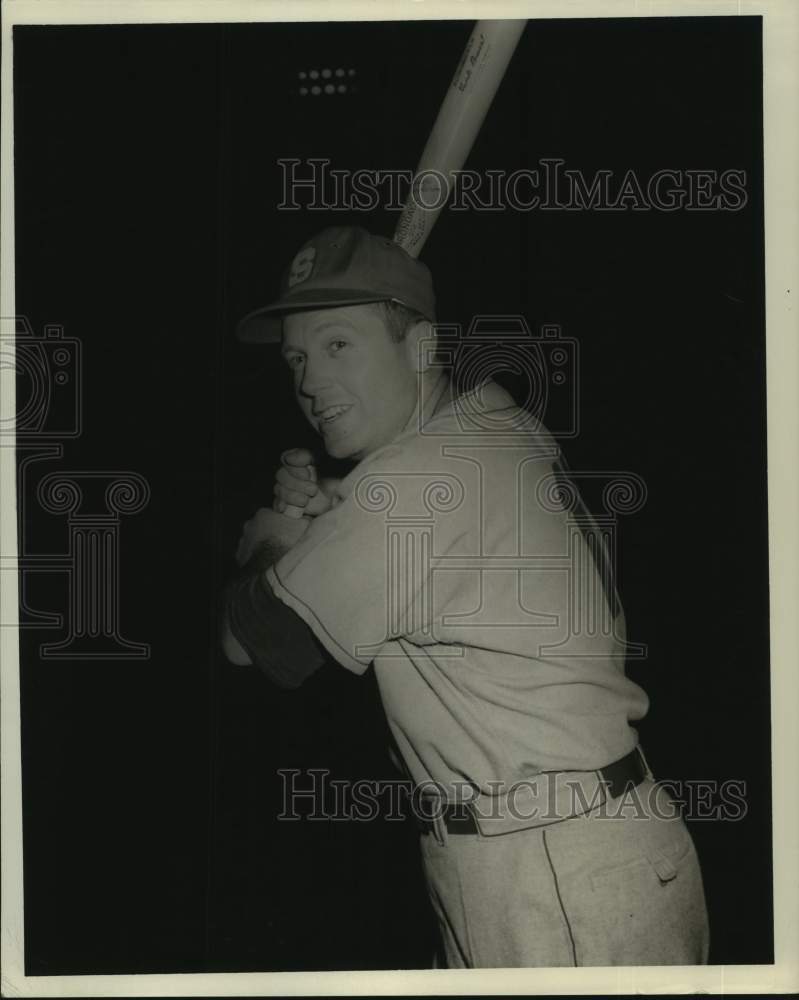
(301, 266)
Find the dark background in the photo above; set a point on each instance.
(146, 224)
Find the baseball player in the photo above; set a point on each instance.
(457, 568)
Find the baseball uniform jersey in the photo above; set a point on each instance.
(455, 563)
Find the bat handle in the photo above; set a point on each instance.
(298, 512)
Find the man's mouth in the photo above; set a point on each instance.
(331, 413)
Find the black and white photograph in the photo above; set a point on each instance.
(399, 484)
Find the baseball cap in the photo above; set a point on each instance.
(343, 265)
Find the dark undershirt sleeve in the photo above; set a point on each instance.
(276, 639)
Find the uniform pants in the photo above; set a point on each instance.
(593, 890)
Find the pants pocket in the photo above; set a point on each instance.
(651, 910)
(664, 860)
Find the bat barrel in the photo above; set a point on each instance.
(480, 71)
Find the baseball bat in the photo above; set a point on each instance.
(480, 71)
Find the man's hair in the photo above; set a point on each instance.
(398, 319)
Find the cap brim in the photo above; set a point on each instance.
(264, 325)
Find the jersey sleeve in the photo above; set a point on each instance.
(277, 642)
(361, 575)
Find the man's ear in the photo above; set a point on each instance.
(420, 342)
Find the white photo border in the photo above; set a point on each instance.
(781, 150)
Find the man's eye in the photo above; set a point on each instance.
(294, 360)
(337, 345)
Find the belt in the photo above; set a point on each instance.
(617, 778)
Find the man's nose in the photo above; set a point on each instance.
(315, 377)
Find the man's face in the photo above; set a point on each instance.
(356, 386)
